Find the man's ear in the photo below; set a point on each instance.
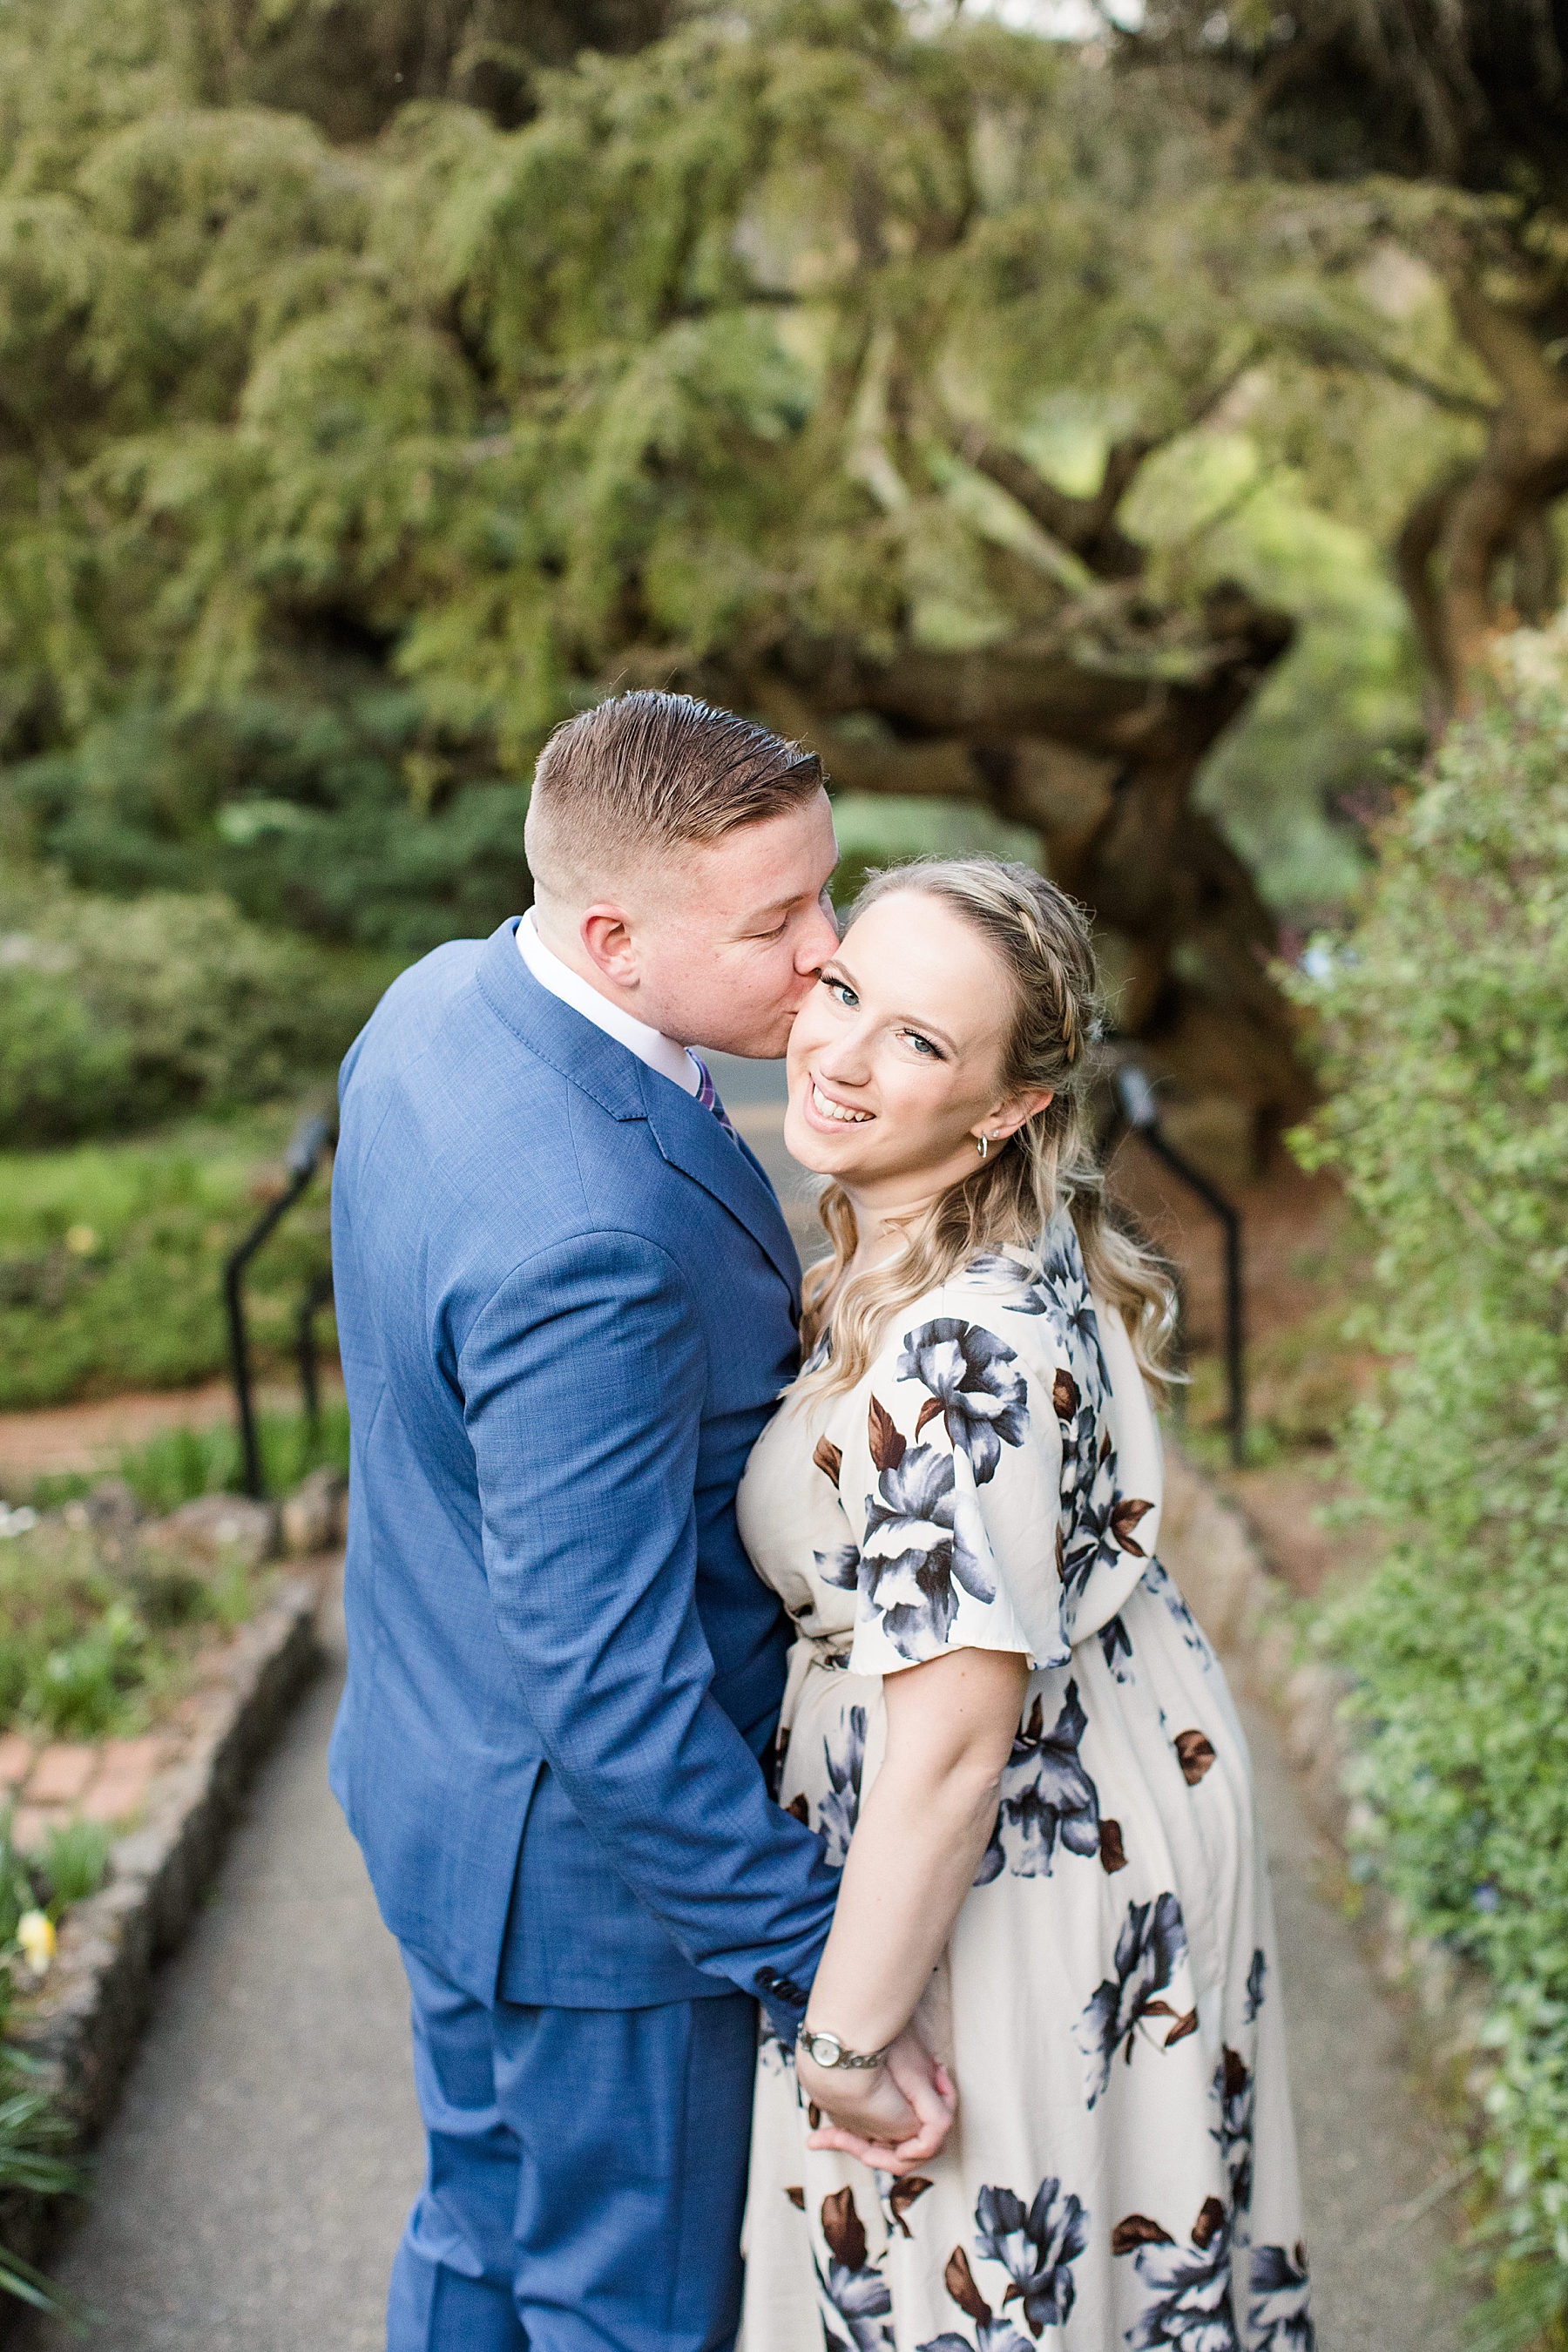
(605, 932)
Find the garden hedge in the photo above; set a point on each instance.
(1444, 1022)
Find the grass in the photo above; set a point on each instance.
(111, 1259)
(179, 1465)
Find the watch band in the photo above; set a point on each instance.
(828, 2051)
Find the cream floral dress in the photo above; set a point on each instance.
(1122, 2170)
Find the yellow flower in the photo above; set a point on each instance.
(36, 1935)
(80, 1240)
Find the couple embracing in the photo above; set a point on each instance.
(806, 1807)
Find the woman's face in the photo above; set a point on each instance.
(895, 1056)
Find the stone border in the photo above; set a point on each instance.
(85, 2024)
(1246, 1610)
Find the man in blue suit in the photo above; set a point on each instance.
(566, 1302)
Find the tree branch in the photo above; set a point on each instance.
(1414, 550)
(1343, 347)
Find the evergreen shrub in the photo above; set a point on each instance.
(114, 1015)
(111, 1258)
(1445, 1020)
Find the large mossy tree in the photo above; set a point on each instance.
(1422, 140)
(340, 457)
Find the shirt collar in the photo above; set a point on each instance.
(650, 1045)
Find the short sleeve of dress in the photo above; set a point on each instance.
(962, 1474)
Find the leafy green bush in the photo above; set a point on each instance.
(324, 811)
(114, 1015)
(36, 2139)
(111, 1259)
(1445, 1021)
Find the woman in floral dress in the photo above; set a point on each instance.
(1001, 1717)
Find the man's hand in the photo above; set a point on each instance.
(893, 2117)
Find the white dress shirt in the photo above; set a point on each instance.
(650, 1045)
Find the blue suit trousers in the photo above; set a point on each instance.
(586, 2174)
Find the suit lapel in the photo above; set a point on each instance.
(692, 1140)
(689, 1137)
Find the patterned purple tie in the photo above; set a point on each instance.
(707, 1095)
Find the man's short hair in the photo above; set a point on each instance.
(649, 771)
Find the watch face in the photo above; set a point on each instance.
(825, 2048)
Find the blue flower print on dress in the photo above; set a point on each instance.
(1037, 2245)
(853, 2288)
(1152, 1945)
(1280, 2294)
(1114, 1647)
(975, 1383)
(840, 1809)
(1189, 2307)
(1060, 1293)
(912, 1588)
(1159, 1579)
(1046, 1796)
(840, 1567)
(1254, 1980)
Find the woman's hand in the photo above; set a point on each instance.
(894, 2116)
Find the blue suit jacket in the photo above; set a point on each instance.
(566, 1301)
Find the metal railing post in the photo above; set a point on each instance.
(310, 1140)
(312, 1299)
(1139, 1111)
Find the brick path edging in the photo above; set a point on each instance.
(1222, 1569)
(85, 2026)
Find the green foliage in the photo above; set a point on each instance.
(93, 1645)
(887, 828)
(115, 1015)
(181, 1464)
(111, 1260)
(1446, 1021)
(340, 474)
(322, 813)
(35, 2143)
(34, 2137)
(1286, 782)
(74, 1862)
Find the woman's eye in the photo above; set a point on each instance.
(842, 993)
(923, 1044)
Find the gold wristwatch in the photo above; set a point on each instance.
(828, 2051)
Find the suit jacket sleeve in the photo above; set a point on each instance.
(584, 1379)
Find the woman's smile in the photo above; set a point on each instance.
(824, 1111)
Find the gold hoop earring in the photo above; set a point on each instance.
(984, 1146)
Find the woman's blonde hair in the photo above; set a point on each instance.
(1009, 1197)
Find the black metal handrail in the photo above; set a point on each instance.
(312, 1137)
(1139, 1109)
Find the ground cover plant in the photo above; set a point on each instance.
(115, 1015)
(97, 1637)
(1446, 1023)
(179, 1465)
(111, 1258)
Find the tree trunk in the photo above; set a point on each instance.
(1457, 538)
(1093, 734)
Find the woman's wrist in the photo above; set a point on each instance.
(833, 2053)
(855, 2025)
